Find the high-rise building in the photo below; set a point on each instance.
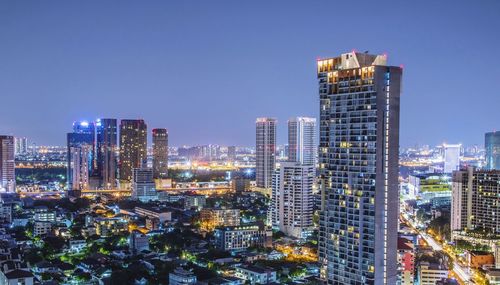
(474, 200)
(301, 140)
(107, 146)
(451, 157)
(160, 153)
(143, 184)
(292, 199)
(21, 145)
(7, 165)
(133, 147)
(231, 153)
(492, 146)
(265, 151)
(358, 158)
(80, 155)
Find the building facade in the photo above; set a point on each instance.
(451, 157)
(265, 151)
(492, 147)
(242, 237)
(301, 140)
(292, 199)
(143, 185)
(80, 155)
(7, 164)
(107, 146)
(160, 153)
(358, 159)
(133, 147)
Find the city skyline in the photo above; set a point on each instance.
(126, 69)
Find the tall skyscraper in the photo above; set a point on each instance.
(7, 165)
(107, 145)
(451, 157)
(265, 151)
(143, 184)
(80, 155)
(160, 153)
(301, 140)
(492, 146)
(358, 158)
(292, 199)
(133, 147)
(474, 200)
(21, 145)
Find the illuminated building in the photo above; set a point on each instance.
(160, 153)
(474, 201)
(162, 216)
(106, 227)
(180, 276)
(7, 165)
(21, 146)
(492, 146)
(107, 145)
(212, 218)
(231, 153)
(265, 151)
(138, 242)
(406, 262)
(240, 184)
(243, 237)
(301, 137)
(292, 199)
(194, 201)
(143, 185)
(133, 147)
(358, 160)
(80, 155)
(451, 157)
(430, 273)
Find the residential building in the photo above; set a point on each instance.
(301, 140)
(265, 151)
(242, 237)
(106, 227)
(160, 153)
(478, 259)
(21, 146)
(7, 165)
(358, 160)
(493, 276)
(107, 146)
(180, 276)
(292, 199)
(240, 184)
(133, 147)
(152, 212)
(231, 153)
(41, 228)
(406, 262)
(492, 147)
(17, 277)
(451, 157)
(474, 203)
(138, 242)
(143, 185)
(429, 273)
(194, 201)
(80, 155)
(256, 275)
(212, 218)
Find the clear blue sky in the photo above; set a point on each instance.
(206, 69)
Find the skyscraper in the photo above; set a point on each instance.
(301, 140)
(492, 146)
(21, 145)
(107, 145)
(160, 153)
(451, 157)
(7, 165)
(358, 158)
(292, 199)
(133, 147)
(265, 151)
(80, 157)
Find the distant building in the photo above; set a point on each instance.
(231, 153)
(106, 227)
(194, 201)
(80, 155)
(143, 185)
(212, 218)
(44, 214)
(21, 146)
(292, 199)
(451, 157)
(478, 259)
(138, 242)
(301, 140)
(265, 151)
(107, 146)
(180, 276)
(41, 228)
(429, 274)
(240, 184)
(133, 147)
(492, 147)
(242, 237)
(161, 215)
(7, 165)
(474, 203)
(256, 275)
(160, 153)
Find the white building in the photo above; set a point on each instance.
(292, 199)
(301, 140)
(41, 228)
(79, 166)
(265, 151)
(180, 276)
(429, 274)
(256, 275)
(451, 157)
(21, 146)
(143, 184)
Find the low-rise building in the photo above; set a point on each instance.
(194, 201)
(77, 245)
(406, 262)
(41, 228)
(161, 215)
(109, 226)
(180, 276)
(138, 242)
(429, 273)
(243, 237)
(17, 277)
(212, 218)
(493, 276)
(476, 259)
(256, 275)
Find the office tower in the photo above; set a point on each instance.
(143, 184)
(492, 146)
(160, 153)
(133, 147)
(301, 140)
(265, 151)
(80, 155)
(451, 157)
(474, 200)
(231, 153)
(107, 145)
(21, 146)
(7, 165)
(358, 159)
(292, 199)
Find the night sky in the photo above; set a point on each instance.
(206, 69)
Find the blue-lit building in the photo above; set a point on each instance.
(81, 149)
(492, 146)
(106, 147)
